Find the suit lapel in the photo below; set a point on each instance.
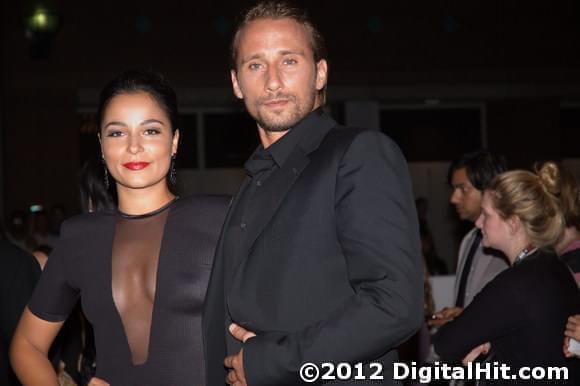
(220, 246)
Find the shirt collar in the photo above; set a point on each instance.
(282, 148)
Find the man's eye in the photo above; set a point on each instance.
(254, 66)
(290, 61)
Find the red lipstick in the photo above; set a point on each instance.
(136, 165)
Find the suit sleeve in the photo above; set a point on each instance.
(19, 275)
(378, 232)
(54, 297)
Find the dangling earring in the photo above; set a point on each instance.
(106, 176)
(172, 173)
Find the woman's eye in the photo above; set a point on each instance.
(152, 131)
(114, 133)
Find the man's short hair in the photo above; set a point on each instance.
(280, 10)
(481, 167)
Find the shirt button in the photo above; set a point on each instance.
(243, 225)
(259, 183)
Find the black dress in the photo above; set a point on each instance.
(523, 314)
(142, 282)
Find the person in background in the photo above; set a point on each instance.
(18, 231)
(519, 315)
(56, 215)
(468, 177)
(569, 245)
(19, 272)
(433, 263)
(39, 229)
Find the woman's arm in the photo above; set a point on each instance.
(29, 350)
(498, 309)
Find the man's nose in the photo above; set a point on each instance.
(273, 81)
(455, 196)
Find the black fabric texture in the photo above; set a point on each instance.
(159, 265)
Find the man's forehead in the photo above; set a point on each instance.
(274, 33)
(460, 177)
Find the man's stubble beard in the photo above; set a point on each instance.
(297, 112)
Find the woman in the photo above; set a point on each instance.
(568, 246)
(523, 311)
(141, 271)
(569, 250)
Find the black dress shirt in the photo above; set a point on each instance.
(261, 165)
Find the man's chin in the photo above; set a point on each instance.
(278, 123)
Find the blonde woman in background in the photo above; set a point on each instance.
(520, 315)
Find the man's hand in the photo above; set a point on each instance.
(473, 354)
(235, 363)
(445, 315)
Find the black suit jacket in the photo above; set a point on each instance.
(333, 273)
(19, 273)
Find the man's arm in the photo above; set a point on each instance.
(377, 229)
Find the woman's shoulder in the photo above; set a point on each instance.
(204, 202)
(541, 270)
(85, 222)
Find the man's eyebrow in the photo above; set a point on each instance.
(282, 53)
(253, 57)
(293, 52)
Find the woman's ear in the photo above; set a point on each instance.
(514, 224)
(175, 142)
(101, 145)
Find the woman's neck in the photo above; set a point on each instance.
(517, 247)
(141, 201)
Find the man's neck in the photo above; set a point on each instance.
(269, 137)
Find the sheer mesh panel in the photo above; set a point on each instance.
(134, 277)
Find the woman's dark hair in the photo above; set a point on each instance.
(135, 81)
(94, 195)
(481, 167)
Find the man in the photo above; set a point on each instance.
(319, 257)
(468, 176)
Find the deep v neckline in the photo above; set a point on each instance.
(134, 293)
